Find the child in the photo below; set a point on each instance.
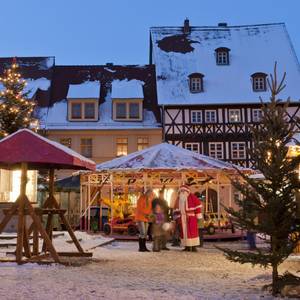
(157, 228)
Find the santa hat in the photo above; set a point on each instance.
(184, 188)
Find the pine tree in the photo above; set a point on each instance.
(268, 206)
(16, 111)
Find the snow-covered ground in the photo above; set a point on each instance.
(119, 271)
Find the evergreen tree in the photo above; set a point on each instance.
(16, 111)
(270, 201)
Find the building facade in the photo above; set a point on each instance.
(210, 81)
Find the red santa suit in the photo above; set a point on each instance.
(187, 211)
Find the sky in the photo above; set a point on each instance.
(93, 32)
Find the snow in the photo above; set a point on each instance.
(55, 117)
(119, 271)
(124, 89)
(253, 49)
(87, 90)
(166, 156)
(53, 143)
(34, 84)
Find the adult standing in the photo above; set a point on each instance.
(188, 212)
(142, 217)
(160, 201)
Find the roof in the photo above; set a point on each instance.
(87, 89)
(253, 48)
(127, 89)
(166, 157)
(131, 80)
(39, 152)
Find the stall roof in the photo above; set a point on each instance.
(26, 146)
(166, 157)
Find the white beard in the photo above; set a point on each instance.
(182, 201)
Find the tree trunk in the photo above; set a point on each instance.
(275, 290)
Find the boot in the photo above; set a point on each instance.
(141, 245)
(156, 246)
(144, 246)
(186, 249)
(194, 249)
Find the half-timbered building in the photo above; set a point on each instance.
(210, 81)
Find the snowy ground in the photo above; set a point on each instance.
(118, 271)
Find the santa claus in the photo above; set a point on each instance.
(187, 212)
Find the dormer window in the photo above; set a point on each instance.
(259, 82)
(83, 110)
(127, 110)
(222, 56)
(196, 82)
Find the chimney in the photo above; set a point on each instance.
(222, 25)
(186, 26)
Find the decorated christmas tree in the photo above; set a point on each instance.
(16, 110)
(268, 206)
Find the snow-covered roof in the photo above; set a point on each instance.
(87, 89)
(124, 89)
(253, 48)
(34, 84)
(166, 156)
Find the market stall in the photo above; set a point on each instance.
(118, 183)
(26, 150)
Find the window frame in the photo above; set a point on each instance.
(198, 113)
(210, 111)
(143, 144)
(256, 120)
(199, 77)
(122, 144)
(238, 150)
(216, 150)
(239, 114)
(127, 109)
(259, 76)
(82, 145)
(225, 51)
(82, 103)
(192, 144)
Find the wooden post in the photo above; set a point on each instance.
(81, 198)
(206, 197)
(218, 196)
(111, 202)
(35, 249)
(21, 219)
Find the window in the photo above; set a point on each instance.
(83, 110)
(216, 150)
(192, 147)
(66, 142)
(259, 82)
(86, 147)
(210, 116)
(122, 146)
(128, 110)
(256, 115)
(142, 143)
(238, 150)
(196, 82)
(222, 56)
(196, 116)
(234, 115)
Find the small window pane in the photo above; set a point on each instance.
(122, 146)
(256, 115)
(89, 110)
(196, 84)
(238, 150)
(234, 115)
(134, 111)
(259, 84)
(210, 116)
(196, 116)
(142, 143)
(192, 147)
(76, 110)
(216, 150)
(121, 110)
(86, 146)
(222, 58)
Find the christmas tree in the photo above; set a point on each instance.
(268, 206)
(16, 111)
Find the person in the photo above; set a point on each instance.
(158, 233)
(164, 207)
(200, 222)
(188, 211)
(142, 217)
(251, 236)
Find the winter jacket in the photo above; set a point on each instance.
(143, 209)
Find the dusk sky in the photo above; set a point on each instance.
(98, 31)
